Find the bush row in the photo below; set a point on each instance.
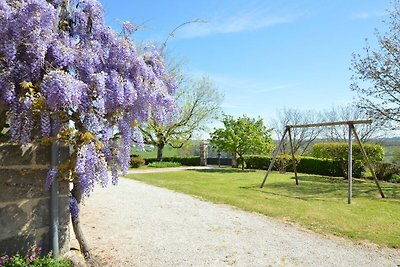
(387, 171)
(308, 165)
(339, 151)
(164, 164)
(185, 161)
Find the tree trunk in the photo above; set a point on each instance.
(242, 162)
(160, 152)
(83, 244)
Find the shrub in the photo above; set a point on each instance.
(386, 171)
(185, 161)
(395, 178)
(284, 163)
(136, 161)
(164, 164)
(257, 162)
(339, 151)
(328, 167)
(308, 165)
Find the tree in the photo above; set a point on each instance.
(198, 102)
(65, 76)
(242, 136)
(302, 138)
(376, 76)
(366, 132)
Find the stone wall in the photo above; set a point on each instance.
(25, 204)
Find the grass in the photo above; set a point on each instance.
(318, 203)
(152, 152)
(164, 164)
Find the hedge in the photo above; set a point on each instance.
(307, 165)
(339, 151)
(185, 161)
(136, 161)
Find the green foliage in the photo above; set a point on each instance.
(328, 167)
(32, 259)
(257, 162)
(396, 156)
(136, 161)
(284, 163)
(185, 161)
(339, 151)
(394, 179)
(150, 152)
(318, 203)
(242, 136)
(164, 164)
(386, 171)
(307, 165)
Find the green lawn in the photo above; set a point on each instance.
(318, 203)
(152, 152)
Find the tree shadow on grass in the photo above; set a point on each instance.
(326, 189)
(222, 170)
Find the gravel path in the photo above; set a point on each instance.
(135, 224)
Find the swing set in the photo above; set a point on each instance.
(352, 131)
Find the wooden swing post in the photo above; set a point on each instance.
(274, 157)
(352, 130)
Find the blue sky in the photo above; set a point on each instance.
(263, 55)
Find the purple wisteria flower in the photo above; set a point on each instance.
(62, 91)
(128, 27)
(84, 79)
(45, 124)
(74, 207)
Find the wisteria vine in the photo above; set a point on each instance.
(62, 68)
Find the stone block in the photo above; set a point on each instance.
(27, 223)
(23, 242)
(21, 184)
(24, 202)
(41, 213)
(11, 155)
(26, 183)
(12, 220)
(43, 154)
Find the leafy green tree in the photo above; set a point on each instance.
(242, 136)
(198, 103)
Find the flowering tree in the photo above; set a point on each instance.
(376, 72)
(66, 76)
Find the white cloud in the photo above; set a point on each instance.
(367, 15)
(245, 21)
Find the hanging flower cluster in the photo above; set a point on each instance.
(62, 68)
